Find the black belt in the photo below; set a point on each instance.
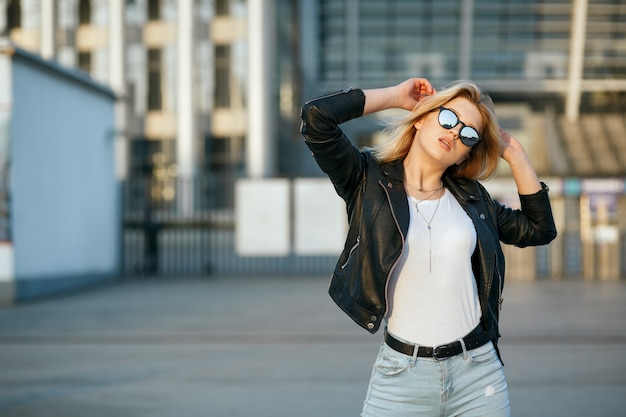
(474, 339)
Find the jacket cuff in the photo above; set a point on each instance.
(544, 189)
(536, 200)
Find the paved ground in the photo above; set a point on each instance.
(273, 347)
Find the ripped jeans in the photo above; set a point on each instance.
(471, 385)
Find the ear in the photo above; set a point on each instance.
(418, 123)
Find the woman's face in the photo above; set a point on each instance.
(443, 144)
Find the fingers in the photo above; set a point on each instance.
(506, 136)
(418, 88)
(411, 91)
(424, 87)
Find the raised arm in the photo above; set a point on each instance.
(534, 224)
(321, 117)
(523, 172)
(403, 96)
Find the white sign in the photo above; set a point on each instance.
(320, 221)
(262, 217)
(6, 262)
(601, 185)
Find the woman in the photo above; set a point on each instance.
(423, 247)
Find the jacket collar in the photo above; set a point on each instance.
(464, 189)
(394, 170)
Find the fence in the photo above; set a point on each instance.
(162, 236)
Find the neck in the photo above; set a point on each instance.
(422, 174)
(422, 180)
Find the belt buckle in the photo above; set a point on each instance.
(435, 350)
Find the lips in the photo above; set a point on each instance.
(446, 143)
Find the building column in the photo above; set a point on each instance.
(261, 88)
(48, 29)
(576, 59)
(185, 111)
(185, 127)
(118, 83)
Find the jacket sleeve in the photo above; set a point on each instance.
(532, 225)
(334, 153)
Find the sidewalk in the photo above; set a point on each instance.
(273, 347)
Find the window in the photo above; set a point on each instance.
(14, 14)
(84, 12)
(222, 7)
(223, 154)
(84, 61)
(154, 79)
(154, 10)
(142, 153)
(222, 76)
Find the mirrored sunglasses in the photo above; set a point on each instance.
(448, 119)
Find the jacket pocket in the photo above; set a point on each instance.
(352, 250)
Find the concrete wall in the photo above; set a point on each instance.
(64, 204)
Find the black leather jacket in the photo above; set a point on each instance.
(378, 214)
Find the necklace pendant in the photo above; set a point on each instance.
(428, 227)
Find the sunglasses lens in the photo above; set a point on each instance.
(447, 119)
(469, 136)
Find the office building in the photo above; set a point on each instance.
(212, 88)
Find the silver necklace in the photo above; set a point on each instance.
(427, 191)
(432, 193)
(428, 222)
(421, 190)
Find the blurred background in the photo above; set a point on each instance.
(161, 137)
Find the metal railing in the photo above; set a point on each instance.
(163, 236)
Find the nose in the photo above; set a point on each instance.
(456, 131)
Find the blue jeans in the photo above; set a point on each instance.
(469, 385)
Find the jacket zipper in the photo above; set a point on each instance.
(395, 219)
(336, 93)
(352, 249)
(500, 299)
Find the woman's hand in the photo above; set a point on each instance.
(511, 147)
(405, 95)
(411, 91)
(514, 154)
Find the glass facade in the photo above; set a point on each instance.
(323, 45)
(605, 49)
(369, 40)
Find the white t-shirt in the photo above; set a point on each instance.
(438, 306)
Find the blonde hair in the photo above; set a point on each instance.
(484, 157)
